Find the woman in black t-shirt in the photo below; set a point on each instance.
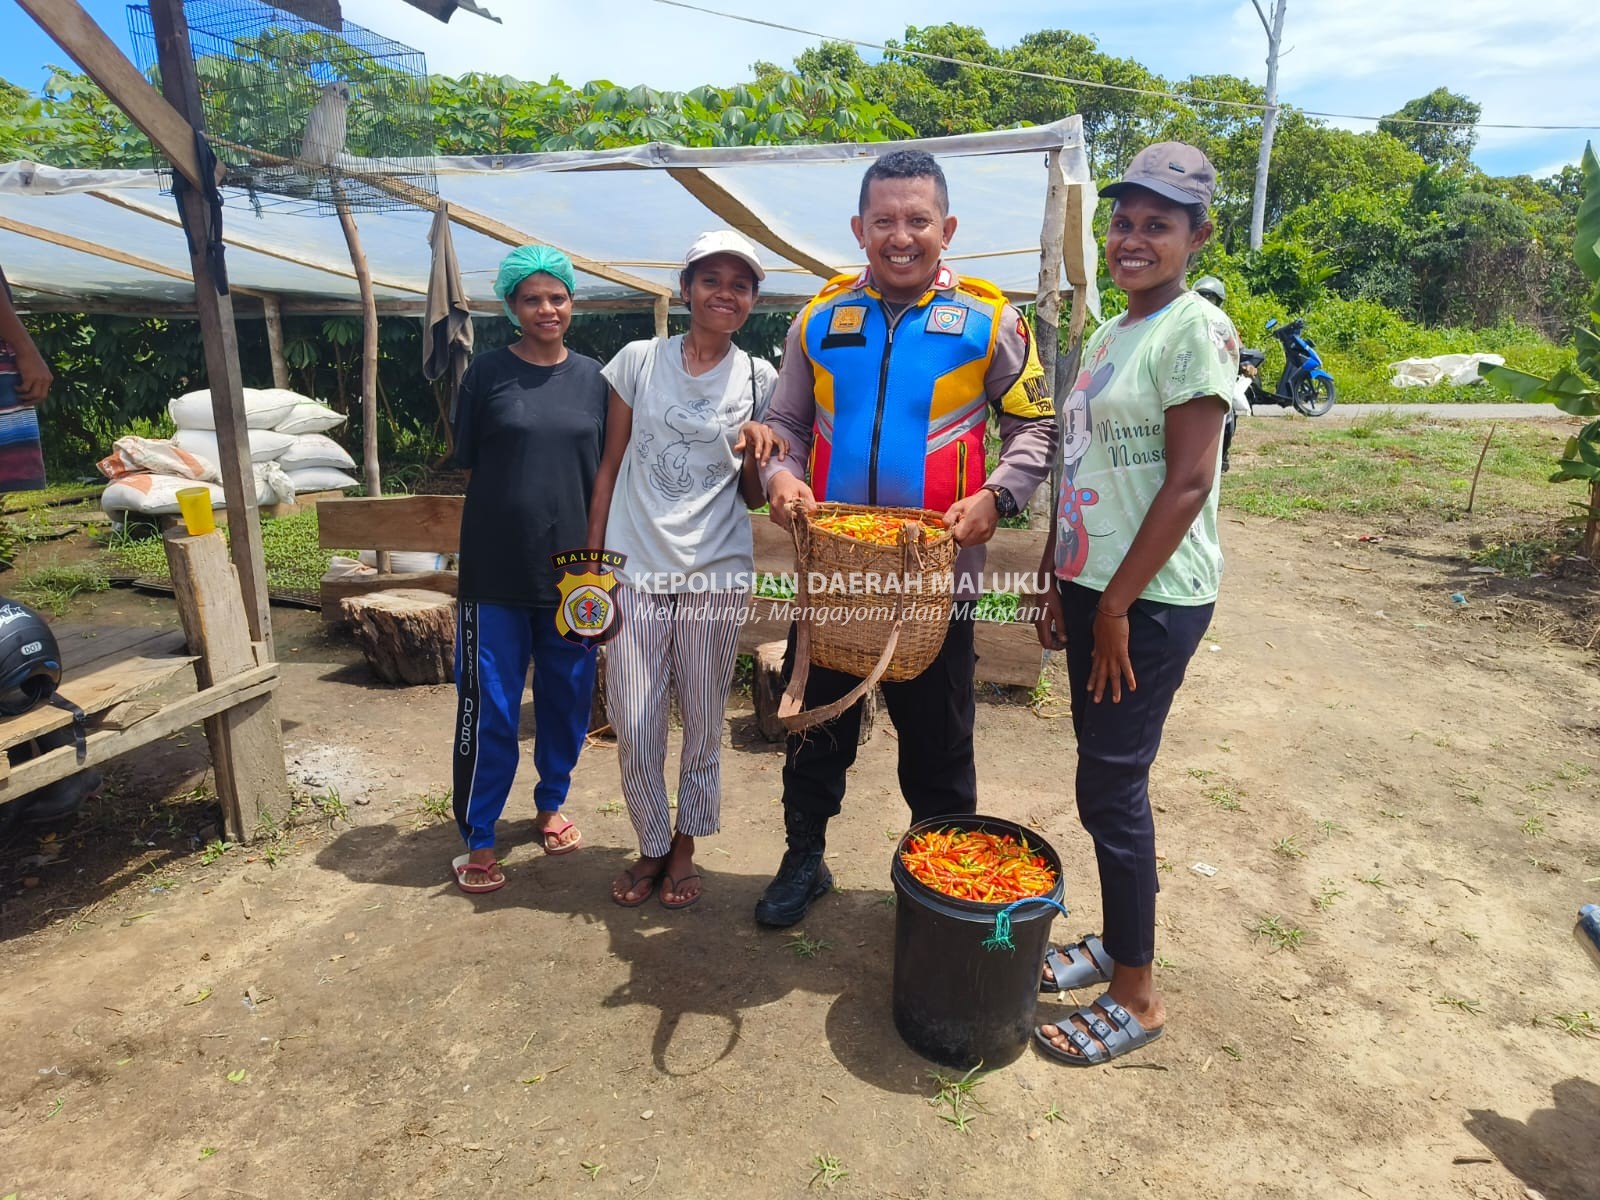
(530, 423)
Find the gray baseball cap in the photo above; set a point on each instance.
(1174, 170)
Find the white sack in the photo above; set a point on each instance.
(133, 455)
(322, 479)
(315, 450)
(263, 408)
(310, 416)
(265, 444)
(407, 562)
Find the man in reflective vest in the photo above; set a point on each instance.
(889, 379)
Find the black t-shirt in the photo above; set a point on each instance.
(532, 437)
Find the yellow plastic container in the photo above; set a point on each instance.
(195, 505)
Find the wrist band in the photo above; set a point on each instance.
(1121, 616)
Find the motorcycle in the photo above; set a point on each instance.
(1303, 384)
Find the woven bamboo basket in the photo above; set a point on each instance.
(876, 612)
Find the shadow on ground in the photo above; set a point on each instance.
(1556, 1150)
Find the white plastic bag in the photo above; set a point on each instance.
(263, 408)
(407, 562)
(265, 444)
(315, 450)
(133, 455)
(310, 416)
(322, 479)
(1457, 369)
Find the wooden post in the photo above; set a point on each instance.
(221, 339)
(370, 474)
(246, 741)
(1047, 309)
(274, 317)
(660, 305)
(1077, 264)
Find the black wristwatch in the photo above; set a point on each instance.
(1004, 503)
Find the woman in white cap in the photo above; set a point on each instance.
(683, 444)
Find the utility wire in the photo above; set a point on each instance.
(1090, 83)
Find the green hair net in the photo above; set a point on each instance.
(531, 260)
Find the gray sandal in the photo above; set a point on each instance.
(1118, 1032)
(1076, 966)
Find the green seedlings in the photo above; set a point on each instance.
(803, 945)
(1327, 828)
(827, 1170)
(1578, 1024)
(206, 1152)
(1329, 892)
(610, 808)
(1471, 1007)
(1280, 933)
(332, 806)
(435, 805)
(958, 1096)
(1200, 773)
(592, 1169)
(1468, 934)
(1054, 1113)
(1288, 847)
(1222, 798)
(1534, 826)
(1233, 1053)
(1374, 880)
(1165, 963)
(215, 850)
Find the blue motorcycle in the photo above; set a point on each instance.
(1303, 384)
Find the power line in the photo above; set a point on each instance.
(1094, 84)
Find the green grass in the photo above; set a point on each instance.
(53, 586)
(289, 544)
(1392, 464)
(1279, 932)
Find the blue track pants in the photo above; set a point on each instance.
(494, 644)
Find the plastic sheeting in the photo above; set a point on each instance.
(1457, 369)
(630, 211)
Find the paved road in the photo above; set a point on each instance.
(1463, 412)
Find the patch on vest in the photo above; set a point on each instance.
(847, 318)
(946, 318)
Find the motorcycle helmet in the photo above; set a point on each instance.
(1212, 289)
(30, 660)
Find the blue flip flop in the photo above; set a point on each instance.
(1118, 1031)
(1076, 966)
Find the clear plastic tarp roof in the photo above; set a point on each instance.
(109, 240)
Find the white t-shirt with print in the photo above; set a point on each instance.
(1113, 438)
(676, 509)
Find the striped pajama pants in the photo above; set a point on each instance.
(686, 641)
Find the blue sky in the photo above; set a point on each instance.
(1348, 56)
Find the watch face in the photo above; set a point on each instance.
(1003, 503)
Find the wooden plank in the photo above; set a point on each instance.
(1047, 314)
(103, 745)
(85, 646)
(218, 333)
(1007, 653)
(67, 242)
(87, 44)
(257, 246)
(246, 740)
(336, 590)
(107, 681)
(736, 213)
(392, 523)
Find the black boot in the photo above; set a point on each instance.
(802, 876)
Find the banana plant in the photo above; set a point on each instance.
(1575, 391)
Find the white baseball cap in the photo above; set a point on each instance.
(725, 241)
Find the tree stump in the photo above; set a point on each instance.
(408, 635)
(766, 687)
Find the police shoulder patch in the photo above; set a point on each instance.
(946, 318)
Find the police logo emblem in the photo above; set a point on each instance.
(847, 318)
(947, 318)
(587, 613)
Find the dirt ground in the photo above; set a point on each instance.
(1408, 781)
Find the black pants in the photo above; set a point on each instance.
(932, 714)
(1117, 744)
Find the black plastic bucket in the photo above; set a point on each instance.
(956, 1001)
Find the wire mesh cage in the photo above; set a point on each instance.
(305, 118)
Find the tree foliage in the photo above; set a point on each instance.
(1442, 127)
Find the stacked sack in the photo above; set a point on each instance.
(290, 453)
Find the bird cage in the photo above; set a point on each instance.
(305, 118)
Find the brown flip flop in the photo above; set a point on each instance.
(635, 877)
(672, 886)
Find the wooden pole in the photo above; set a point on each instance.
(370, 474)
(1047, 307)
(1269, 119)
(274, 316)
(247, 740)
(215, 311)
(1076, 260)
(660, 305)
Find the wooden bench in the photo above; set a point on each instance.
(1008, 653)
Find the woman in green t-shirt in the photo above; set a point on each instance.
(1134, 564)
